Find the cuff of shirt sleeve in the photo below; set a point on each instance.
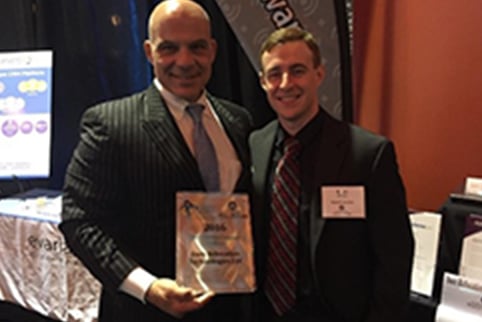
(137, 283)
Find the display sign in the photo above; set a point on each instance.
(426, 232)
(471, 254)
(461, 300)
(25, 114)
(473, 186)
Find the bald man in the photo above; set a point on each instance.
(133, 155)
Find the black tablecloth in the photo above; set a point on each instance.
(10, 312)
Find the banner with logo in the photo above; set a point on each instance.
(253, 20)
(37, 270)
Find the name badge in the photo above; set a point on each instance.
(343, 202)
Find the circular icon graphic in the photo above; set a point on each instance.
(26, 127)
(41, 126)
(9, 128)
(12, 105)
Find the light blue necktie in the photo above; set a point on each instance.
(204, 149)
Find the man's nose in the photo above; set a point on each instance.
(185, 57)
(285, 80)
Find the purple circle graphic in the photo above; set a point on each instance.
(26, 127)
(41, 126)
(9, 128)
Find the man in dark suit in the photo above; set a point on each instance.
(347, 252)
(134, 154)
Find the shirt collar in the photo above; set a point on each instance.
(176, 104)
(306, 135)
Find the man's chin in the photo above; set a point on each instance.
(287, 112)
(190, 96)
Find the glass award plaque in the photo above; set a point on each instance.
(214, 244)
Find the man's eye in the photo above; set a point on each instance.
(298, 71)
(165, 49)
(198, 47)
(273, 76)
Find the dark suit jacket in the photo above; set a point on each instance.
(361, 267)
(119, 194)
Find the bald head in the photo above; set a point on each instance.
(175, 9)
(180, 47)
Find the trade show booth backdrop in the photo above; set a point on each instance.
(98, 55)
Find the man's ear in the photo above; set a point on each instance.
(148, 50)
(320, 73)
(214, 49)
(262, 80)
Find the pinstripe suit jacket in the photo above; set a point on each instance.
(119, 194)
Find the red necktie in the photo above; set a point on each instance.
(280, 284)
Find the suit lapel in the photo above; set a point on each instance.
(332, 149)
(163, 131)
(261, 155)
(261, 150)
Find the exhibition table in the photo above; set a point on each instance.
(38, 274)
(37, 271)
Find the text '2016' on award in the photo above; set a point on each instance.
(214, 244)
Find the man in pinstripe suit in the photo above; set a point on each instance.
(134, 154)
